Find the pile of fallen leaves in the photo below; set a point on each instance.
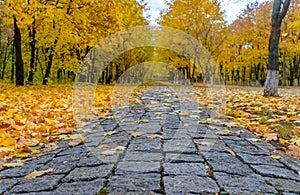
(34, 117)
(273, 118)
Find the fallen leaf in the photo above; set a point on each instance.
(110, 133)
(231, 152)
(204, 143)
(271, 136)
(103, 146)
(294, 151)
(12, 165)
(50, 147)
(239, 132)
(283, 141)
(142, 121)
(76, 142)
(136, 134)
(224, 133)
(254, 139)
(275, 157)
(295, 141)
(154, 136)
(112, 151)
(35, 174)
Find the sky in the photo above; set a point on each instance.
(231, 7)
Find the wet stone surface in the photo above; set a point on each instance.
(171, 154)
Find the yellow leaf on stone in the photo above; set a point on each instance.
(136, 134)
(142, 121)
(36, 174)
(231, 152)
(103, 146)
(254, 139)
(76, 142)
(110, 133)
(23, 155)
(112, 151)
(12, 165)
(275, 156)
(154, 136)
(204, 143)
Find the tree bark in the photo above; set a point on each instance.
(4, 61)
(49, 65)
(12, 64)
(32, 33)
(280, 9)
(284, 71)
(19, 61)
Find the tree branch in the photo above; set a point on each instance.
(284, 10)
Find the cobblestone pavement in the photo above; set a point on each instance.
(171, 154)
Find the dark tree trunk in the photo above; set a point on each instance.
(296, 71)
(19, 61)
(12, 64)
(280, 9)
(32, 33)
(284, 71)
(4, 61)
(291, 74)
(257, 69)
(48, 69)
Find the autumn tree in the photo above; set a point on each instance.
(280, 9)
(203, 20)
(18, 49)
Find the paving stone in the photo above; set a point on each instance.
(89, 162)
(86, 187)
(33, 193)
(243, 184)
(150, 145)
(284, 185)
(19, 171)
(290, 162)
(225, 162)
(259, 160)
(142, 156)
(245, 147)
(134, 193)
(185, 169)
(134, 167)
(189, 185)
(79, 151)
(179, 146)
(136, 183)
(59, 168)
(6, 184)
(211, 145)
(48, 182)
(109, 159)
(278, 172)
(89, 173)
(149, 128)
(181, 158)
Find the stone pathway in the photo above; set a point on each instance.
(159, 147)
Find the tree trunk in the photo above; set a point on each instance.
(32, 33)
(4, 61)
(284, 71)
(280, 9)
(12, 63)
(19, 61)
(296, 71)
(48, 69)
